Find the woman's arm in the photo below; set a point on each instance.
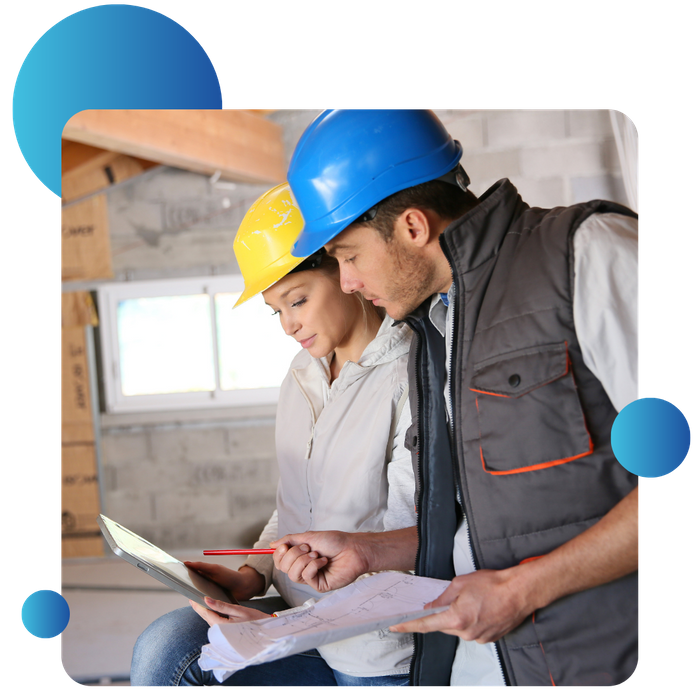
(401, 509)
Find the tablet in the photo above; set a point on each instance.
(159, 564)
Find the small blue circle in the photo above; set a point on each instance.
(45, 614)
(650, 437)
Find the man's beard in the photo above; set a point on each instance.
(412, 280)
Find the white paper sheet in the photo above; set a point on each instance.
(371, 603)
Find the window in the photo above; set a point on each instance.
(179, 344)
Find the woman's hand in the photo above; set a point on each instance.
(243, 584)
(236, 613)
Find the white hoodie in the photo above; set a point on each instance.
(343, 466)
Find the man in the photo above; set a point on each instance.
(524, 352)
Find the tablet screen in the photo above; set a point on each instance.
(156, 558)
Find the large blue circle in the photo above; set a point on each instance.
(45, 614)
(105, 57)
(650, 437)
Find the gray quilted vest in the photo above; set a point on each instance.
(532, 465)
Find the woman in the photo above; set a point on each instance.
(341, 418)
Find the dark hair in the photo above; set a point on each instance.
(446, 200)
(312, 262)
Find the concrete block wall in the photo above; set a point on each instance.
(553, 157)
(208, 479)
(173, 223)
(195, 483)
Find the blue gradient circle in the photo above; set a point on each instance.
(650, 437)
(105, 57)
(45, 614)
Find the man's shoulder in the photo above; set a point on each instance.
(609, 231)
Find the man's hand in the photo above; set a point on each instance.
(487, 604)
(323, 560)
(236, 613)
(484, 606)
(332, 559)
(243, 584)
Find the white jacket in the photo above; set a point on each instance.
(343, 466)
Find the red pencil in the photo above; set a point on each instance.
(213, 552)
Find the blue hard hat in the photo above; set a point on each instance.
(349, 160)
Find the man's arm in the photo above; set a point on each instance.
(487, 604)
(331, 559)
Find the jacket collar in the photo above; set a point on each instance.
(390, 343)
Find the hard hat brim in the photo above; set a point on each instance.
(268, 277)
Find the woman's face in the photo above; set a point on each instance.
(314, 310)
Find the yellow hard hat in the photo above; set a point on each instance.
(264, 240)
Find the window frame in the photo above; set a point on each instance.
(109, 295)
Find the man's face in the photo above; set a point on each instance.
(393, 275)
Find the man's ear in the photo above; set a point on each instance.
(413, 226)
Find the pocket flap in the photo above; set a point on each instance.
(519, 372)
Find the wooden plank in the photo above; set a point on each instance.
(80, 502)
(77, 309)
(75, 155)
(87, 546)
(78, 156)
(105, 170)
(241, 145)
(86, 249)
(76, 413)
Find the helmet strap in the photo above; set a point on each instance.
(457, 176)
(311, 263)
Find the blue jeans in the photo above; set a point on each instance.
(167, 653)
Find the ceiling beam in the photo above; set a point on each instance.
(240, 145)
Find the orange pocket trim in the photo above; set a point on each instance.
(508, 396)
(541, 465)
(535, 467)
(489, 393)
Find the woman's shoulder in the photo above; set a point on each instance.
(391, 343)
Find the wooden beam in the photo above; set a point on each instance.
(261, 112)
(74, 155)
(241, 145)
(78, 157)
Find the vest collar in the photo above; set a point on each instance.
(471, 240)
(476, 237)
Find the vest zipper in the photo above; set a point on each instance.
(453, 435)
(452, 425)
(450, 410)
